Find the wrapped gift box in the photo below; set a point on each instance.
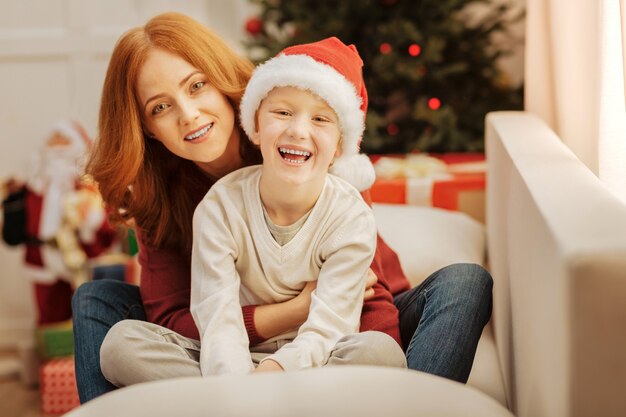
(449, 181)
(57, 386)
(54, 340)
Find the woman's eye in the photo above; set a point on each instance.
(198, 85)
(159, 108)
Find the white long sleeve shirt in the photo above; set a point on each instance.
(237, 262)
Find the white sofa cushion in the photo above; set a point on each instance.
(340, 391)
(427, 238)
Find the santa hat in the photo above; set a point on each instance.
(331, 70)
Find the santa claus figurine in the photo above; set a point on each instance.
(58, 216)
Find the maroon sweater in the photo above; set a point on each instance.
(166, 283)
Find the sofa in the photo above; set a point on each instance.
(555, 242)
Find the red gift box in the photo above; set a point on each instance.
(455, 181)
(57, 386)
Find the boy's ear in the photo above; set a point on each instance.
(338, 152)
(255, 136)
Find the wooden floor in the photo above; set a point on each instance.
(17, 399)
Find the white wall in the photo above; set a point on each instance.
(53, 57)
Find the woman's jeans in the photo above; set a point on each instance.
(441, 321)
(96, 307)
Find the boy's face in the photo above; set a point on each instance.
(298, 134)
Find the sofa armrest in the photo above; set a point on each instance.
(557, 249)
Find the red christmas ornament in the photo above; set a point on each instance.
(254, 26)
(393, 129)
(385, 48)
(434, 103)
(415, 50)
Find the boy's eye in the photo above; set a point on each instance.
(159, 108)
(325, 119)
(281, 112)
(197, 85)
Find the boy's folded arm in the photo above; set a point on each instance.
(338, 299)
(215, 286)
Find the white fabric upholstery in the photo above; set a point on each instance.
(427, 239)
(330, 392)
(557, 250)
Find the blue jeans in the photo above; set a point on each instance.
(96, 307)
(441, 320)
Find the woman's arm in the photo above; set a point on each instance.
(165, 288)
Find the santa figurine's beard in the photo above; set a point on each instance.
(56, 173)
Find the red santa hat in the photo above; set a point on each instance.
(331, 70)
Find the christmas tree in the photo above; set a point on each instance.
(431, 74)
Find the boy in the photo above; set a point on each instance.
(263, 232)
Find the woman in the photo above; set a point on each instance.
(154, 163)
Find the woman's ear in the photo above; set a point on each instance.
(256, 138)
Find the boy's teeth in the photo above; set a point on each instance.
(294, 152)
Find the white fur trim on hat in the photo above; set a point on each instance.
(358, 170)
(304, 72)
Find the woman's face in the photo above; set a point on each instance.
(183, 111)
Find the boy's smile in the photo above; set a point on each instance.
(295, 156)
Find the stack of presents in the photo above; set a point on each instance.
(53, 357)
(55, 353)
(54, 342)
(452, 181)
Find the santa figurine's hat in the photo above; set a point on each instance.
(74, 132)
(331, 70)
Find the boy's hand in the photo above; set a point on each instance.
(369, 284)
(269, 366)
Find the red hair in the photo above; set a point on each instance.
(138, 177)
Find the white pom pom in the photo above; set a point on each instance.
(356, 169)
